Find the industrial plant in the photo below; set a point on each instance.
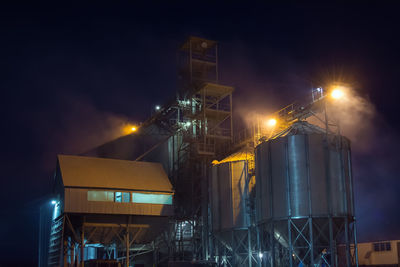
(184, 188)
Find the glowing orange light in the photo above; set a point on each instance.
(271, 122)
(129, 129)
(337, 93)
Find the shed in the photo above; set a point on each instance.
(110, 186)
(107, 203)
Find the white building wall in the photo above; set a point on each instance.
(367, 255)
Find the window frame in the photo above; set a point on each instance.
(101, 191)
(381, 246)
(169, 198)
(122, 197)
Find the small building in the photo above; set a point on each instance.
(104, 207)
(379, 253)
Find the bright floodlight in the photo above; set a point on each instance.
(337, 93)
(53, 202)
(158, 107)
(133, 129)
(260, 255)
(271, 122)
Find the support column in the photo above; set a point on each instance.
(73, 253)
(77, 254)
(83, 246)
(331, 240)
(66, 252)
(127, 245)
(259, 259)
(346, 231)
(204, 211)
(249, 249)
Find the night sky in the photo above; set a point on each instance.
(71, 74)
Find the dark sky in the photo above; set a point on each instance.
(70, 73)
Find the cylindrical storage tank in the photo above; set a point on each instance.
(303, 175)
(229, 194)
(232, 181)
(304, 183)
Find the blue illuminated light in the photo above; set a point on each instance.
(53, 202)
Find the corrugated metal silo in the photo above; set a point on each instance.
(232, 182)
(304, 198)
(229, 196)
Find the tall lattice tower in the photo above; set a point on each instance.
(205, 119)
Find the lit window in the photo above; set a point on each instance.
(118, 196)
(152, 198)
(100, 196)
(126, 197)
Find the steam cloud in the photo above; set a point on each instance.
(352, 115)
(375, 165)
(76, 126)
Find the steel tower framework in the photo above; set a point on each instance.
(199, 121)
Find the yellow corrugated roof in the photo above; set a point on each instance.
(244, 154)
(78, 171)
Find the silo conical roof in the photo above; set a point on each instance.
(301, 127)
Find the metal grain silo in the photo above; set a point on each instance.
(304, 196)
(232, 182)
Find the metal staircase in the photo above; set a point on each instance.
(56, 242)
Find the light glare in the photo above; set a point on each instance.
(337, 93)
(129, 128)
(271, 122)
(53, 202)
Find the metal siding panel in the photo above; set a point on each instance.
(259, 184)
(298, 175)
(239, 194)
(267, 197)
(347, 174)
(264, 167)
(75, 200)
(235, 193)
(225, 195)
(336, 182)
(264, 179)
(215, 202)
(346, 161)
(229, 198)
(67, 205)
(319, 198)
(279, 186)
